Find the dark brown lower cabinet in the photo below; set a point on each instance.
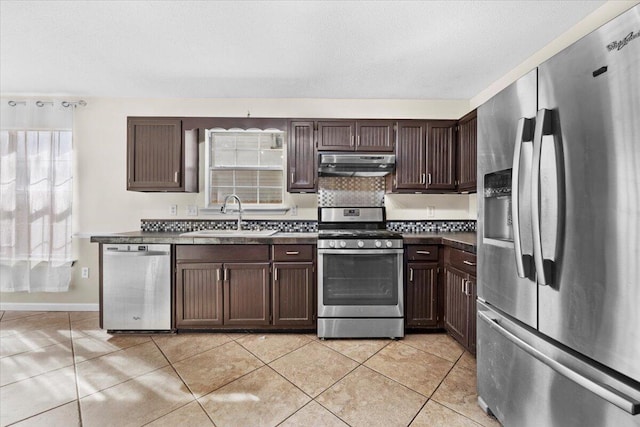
(460, 297)
(293, 293)
(198, 295)
(245, 286)
(246, 294)
(422, 294)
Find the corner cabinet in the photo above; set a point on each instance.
(302, 167)
(232, 286)
(160, 157)
(460, 296)
(467, 146)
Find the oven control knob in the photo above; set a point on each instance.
(389, 244)
(332, 244)
(343, 243)
(360, 243)
(378, 243)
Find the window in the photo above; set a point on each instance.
(247, 163)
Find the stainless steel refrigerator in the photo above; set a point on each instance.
(559, 237)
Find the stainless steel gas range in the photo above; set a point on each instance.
(360, 292)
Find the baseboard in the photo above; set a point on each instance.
(44, 306)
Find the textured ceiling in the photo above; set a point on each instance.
(272, 49)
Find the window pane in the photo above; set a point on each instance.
(271, 157)
(221, 178)
(246, 178)
(224, 158)
(218, 194)
(247, 158)
(271, 178)
(223, 141)
(270, 195)
(247, 142)
(247, 195)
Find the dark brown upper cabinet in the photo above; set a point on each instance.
(411, 155)
(425, 156)
(467, 146)
(159, 158)
(441, 171)
(360, 135)
(337, 135)
(301, 158)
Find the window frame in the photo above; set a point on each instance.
(214, 206)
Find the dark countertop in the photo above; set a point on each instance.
(460, 240)
(465, 241)
(176, 238)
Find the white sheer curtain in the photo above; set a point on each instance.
(36, 191)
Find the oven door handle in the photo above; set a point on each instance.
(360, 251)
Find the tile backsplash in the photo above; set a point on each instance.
(183, 226)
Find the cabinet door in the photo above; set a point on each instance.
(471, 342)
(375, 136)
(422, 301)
(301, 158)
(154, 154)
(411, 156)
(246, 294)
(467, 153)
(456, 304)
(293, 293)
(198, 294)
(441, 156)
(336, 136)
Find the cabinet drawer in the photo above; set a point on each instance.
(465, 261)
(293, 252)
(222, 253)
(422, 252)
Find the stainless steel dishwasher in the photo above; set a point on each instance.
(136, 287)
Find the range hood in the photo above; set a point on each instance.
(351, 164)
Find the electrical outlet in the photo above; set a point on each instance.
(192, 210)
(431, 211)
(85, 272)
(294, 210)
(173, 210)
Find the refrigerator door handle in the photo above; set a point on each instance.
(544, 268)
(610, 394)
(524, 134)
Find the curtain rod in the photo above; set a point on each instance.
(65, 104)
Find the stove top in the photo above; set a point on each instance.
(358, 234)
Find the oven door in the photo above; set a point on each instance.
(360, 283)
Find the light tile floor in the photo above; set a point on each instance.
(61, 369)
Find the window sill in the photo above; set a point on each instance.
(271, 210)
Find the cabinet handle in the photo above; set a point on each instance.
(176, 175)
(351, 143)
(423, 179)
(292, 176)
(219, 270)
(226, 274)
(472, 264)
(429, 179)
(464, 285)
(358, 143)
(411, 274)
(275, 274)
(423, 252)
(292, 253)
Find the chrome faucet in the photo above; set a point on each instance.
(223, 209)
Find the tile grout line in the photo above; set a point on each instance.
(75, 371)
(195, 399)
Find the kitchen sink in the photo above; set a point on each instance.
(230, 233)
